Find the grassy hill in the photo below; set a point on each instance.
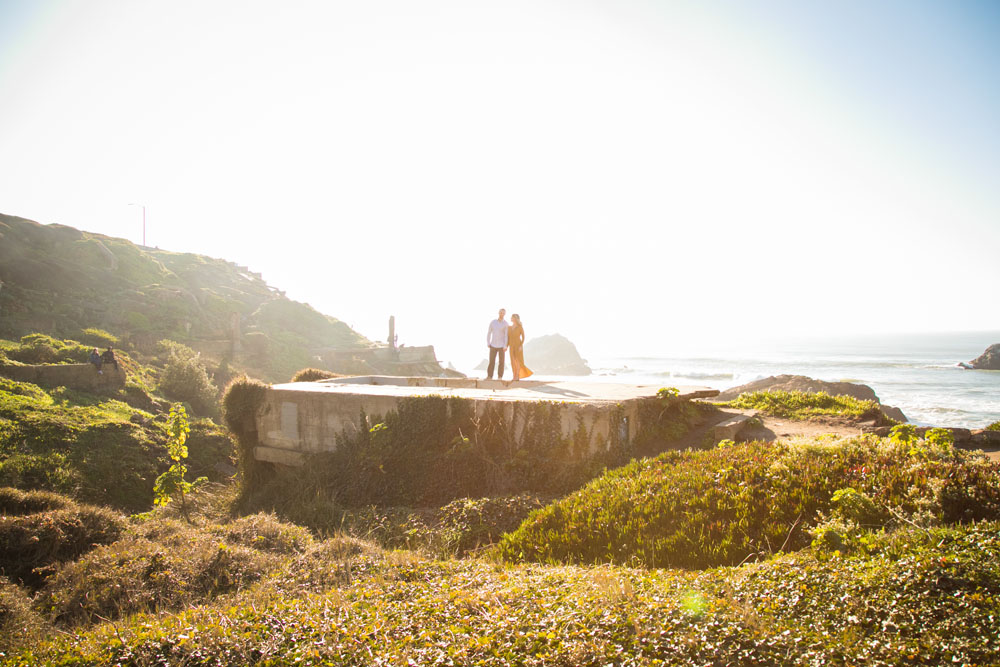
(60, 281)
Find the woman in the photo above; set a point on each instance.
(515, 339)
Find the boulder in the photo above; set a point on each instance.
(554, 355)
(988, 360)
(807, 384)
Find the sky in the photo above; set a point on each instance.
(639, 176)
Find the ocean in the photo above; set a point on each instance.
(917, 373)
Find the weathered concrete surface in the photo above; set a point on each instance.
(306, 417)
(75, 376)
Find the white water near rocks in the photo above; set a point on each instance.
(917, 373)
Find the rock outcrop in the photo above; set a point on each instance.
(988, 360)
(807, 384)
(802, 383)
(554, 355)
(550, 355)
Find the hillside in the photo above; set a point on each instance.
(60, 280)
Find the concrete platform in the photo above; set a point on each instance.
(300, 418)
(489, 390)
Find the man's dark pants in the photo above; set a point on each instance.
(494, 351)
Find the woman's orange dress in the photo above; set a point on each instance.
(515, 339)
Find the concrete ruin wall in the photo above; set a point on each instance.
(292, 424)
(83, 377)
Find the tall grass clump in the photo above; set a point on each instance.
(32, 542)
(240, 401)
(314, 374)
(746, 501)
(160, 565)
(801, 405)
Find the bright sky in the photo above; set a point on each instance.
(634, 175)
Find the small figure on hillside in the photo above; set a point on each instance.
(515, 338)
(109, 357)
(95, 358)
(496, 340)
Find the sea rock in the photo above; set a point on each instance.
(988, 360)
(802, 383)
(894, 413)
(554, 355)
(986, 439)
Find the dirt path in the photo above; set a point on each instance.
(775, 428)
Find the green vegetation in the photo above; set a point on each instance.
(239, 401)
(93, 448)
(802, 405)
(915, 596)
(98, 338)
(313, 375)
(41, 349)
(995, 426)
(740, 502)
(171, 485)
(184, 378)
(896, 559)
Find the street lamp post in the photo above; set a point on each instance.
(143, 223)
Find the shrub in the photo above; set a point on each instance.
(995, 426)
(314, 374)
(185, 378)
(265, 532)
(722, 506)
(31, 543)
(805, 405)
(474, 523)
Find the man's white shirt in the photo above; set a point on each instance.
(496, 336)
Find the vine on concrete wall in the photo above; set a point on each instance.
(432, 450)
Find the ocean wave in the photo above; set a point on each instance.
(706, 375)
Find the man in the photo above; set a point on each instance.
(496, 339)
(95, 358)
(108, 358)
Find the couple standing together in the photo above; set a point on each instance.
(499, 337)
